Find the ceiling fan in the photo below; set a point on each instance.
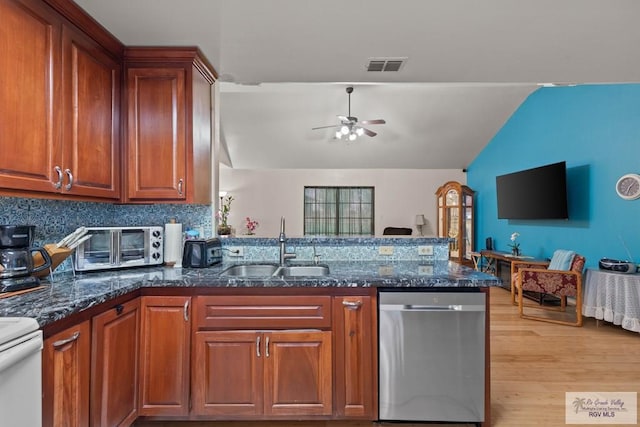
(350, 127)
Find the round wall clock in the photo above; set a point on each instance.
(628, 186)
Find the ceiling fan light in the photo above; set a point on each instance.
(338, 134)
(352, 136)
(344, 130)
(360, 131)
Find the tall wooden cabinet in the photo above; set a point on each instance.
(65, 377)
(91, 118)
(60, 113)
(169, 125)
(29, 95)
(456, 220)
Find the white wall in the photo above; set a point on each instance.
(266, 195)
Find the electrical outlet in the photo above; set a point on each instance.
(386, 270)
(385, 250)
(425, 250)
(235, 251)
(425, 269)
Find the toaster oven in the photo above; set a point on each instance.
(120, 247)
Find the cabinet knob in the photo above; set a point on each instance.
(58, 184)
(119, 309)
(70, 177)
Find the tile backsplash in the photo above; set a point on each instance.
(56, 218)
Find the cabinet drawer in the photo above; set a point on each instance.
(262, 312)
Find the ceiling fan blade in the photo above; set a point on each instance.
(369, 132)
(344, 118)
(324, 127)
(373, 122)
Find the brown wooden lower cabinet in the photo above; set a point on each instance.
(290, 358)
(227, 374)
(354, 350)
(114, 365)
(254, 374)
(65, 377)
(298, 373)
(165, 348)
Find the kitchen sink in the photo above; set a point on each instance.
(267, 270)
(250, 270)
(302, 270)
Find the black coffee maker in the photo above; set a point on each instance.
(16, 258)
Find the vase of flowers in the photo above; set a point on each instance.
(251, 226)
(515, 246)
(224, 229)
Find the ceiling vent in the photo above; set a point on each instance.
(385, 64)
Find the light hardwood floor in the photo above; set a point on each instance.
(533, 364)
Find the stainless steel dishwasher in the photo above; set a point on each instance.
(431, 355)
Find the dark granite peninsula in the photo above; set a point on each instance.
(308, 342)
(352, 263)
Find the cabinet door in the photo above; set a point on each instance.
(156, 134)
(228, 374)
(29, 96)
(298, 373)
(164, 355)
(354, 351)
(90, 131)
(65, 377)
(114, 373)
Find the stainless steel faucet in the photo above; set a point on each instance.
(316, 255)
(283, 249)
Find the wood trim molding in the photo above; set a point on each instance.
(85, 22)
(171, 55)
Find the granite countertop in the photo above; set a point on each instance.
(65, 294)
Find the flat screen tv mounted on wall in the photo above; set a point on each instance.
(538, 193)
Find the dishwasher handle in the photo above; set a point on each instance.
(421, 307)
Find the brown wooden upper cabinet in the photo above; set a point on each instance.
(169, 125)
(60, 114)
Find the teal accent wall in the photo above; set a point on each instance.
(596, 130)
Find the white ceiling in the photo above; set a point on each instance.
(284, 66)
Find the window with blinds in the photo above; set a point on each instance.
(338, 211)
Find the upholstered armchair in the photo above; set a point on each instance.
(559, 283)
(521, 264)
